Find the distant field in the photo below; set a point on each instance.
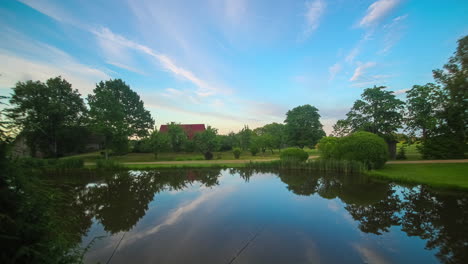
(411, 152)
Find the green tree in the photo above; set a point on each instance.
(245, 137)
(276, 133)
(46, 112)
(159, 142)
(118, 113)
(424, 103)
(454, 80)
(303, 126)
(379, 112)
(206, 142)
(177, 136)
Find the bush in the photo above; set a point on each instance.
(236, 152)
(254, 149)
(208, 155)
(401, 155)
(108, 164)
(293, 155)
(441, 147)
(69, 164)
(365, 147)
(327, 146)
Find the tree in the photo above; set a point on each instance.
(277, 134)
(378, 112)
(424, 104)
(46, 112)
(454, 80)
(177, 136)
(303, 126)
(245, 137)
(206, 142)
(159, 142)
(118, 113)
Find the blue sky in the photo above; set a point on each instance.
(227, 63)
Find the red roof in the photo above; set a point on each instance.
(190, 129)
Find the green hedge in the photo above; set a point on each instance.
(293, 155)
(365, 147)
(327, 146)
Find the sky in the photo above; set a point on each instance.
(230, 63)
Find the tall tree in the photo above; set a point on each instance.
(45, 111)
(424, 104)
(378, 112)
(303, 126)
(159, 142)
(454, 80)
(206, 142)
(117, 112)
(177, 136)
(245, 137)
(277, 133)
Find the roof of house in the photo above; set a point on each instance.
(190, 129)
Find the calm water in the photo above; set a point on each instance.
(240, 216)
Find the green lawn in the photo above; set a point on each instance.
(411, 152)
(453, 175)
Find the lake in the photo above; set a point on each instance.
(248, 216)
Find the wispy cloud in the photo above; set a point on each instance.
(118, 42)
(394, 32)
(377, 11)
(314, 12)
(26, 59)
(360, 70)
(402, 91)
(334, 70)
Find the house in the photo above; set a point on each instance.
(190, 129)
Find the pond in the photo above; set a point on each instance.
(248, 216)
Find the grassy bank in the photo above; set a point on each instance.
(454, 175)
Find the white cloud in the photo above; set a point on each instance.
(377, 11)
(359, 71)
(334, 70)
(393, 33)
(25, 59)
(314, 11)
(398, 92)
(110, 40)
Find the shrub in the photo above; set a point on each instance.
(236, 152)
(208, 155)
(441, 147)
(69, 164)
(401, 155)
(108, 164)
(327, 146)
(293, 155)
(365, 147)
(254, 149)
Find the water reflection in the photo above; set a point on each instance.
(119, 201)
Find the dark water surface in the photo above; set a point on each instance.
(245, 216)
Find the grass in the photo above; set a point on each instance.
(449, 175)
(411, 151)
(178, 166)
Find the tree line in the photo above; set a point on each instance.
(54, 119)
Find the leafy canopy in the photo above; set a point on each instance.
(303, 126)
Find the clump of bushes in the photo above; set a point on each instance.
(35, 163)
(254, 149)
(293, 155)
(441, 147)
(108, 164)
(364, 147)
(236, 152)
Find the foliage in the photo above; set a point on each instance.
(454, 80)
(293, 155)
(327, 147)
(424, 103)
(254, 149)
(108, 164)
(47, 113)
(177, 136)
(159, 142)
(274, 135)
(36, 163)
(378, 112)
(303, 127)
(441, 147)
(206, 142)
(401, 155)
(117, 112)
(245, 137)
(237, 152)
(364, 147)
(142, 145)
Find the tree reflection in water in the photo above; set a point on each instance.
(440, 218)
(119, 200)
